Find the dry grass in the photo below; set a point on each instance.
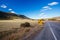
(11, 30)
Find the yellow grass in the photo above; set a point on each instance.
(13, 30)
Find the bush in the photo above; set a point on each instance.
(26, 24)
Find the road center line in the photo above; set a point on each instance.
(52, 32)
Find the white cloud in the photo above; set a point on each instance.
(10, 9)
(53, 3)
(42, 10)
(3, 6)
(41, 14)
(46, 7)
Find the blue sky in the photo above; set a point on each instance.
(35, 9)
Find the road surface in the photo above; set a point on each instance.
(51, 31)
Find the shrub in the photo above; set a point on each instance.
(26, 24)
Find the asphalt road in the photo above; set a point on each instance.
(51, 31)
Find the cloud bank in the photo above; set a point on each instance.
(3, 6)
(48, 7)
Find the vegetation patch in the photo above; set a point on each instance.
(26, 24)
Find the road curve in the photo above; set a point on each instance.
(51, 31)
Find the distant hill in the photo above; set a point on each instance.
(54, 18)
(57, 17)
(8, 15)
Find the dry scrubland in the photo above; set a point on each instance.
(11, 29)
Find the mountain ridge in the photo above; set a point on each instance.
(8, 15)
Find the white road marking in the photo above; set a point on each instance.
(52, 32)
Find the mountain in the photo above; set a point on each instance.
(8, 15)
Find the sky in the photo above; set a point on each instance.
(34, 9)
